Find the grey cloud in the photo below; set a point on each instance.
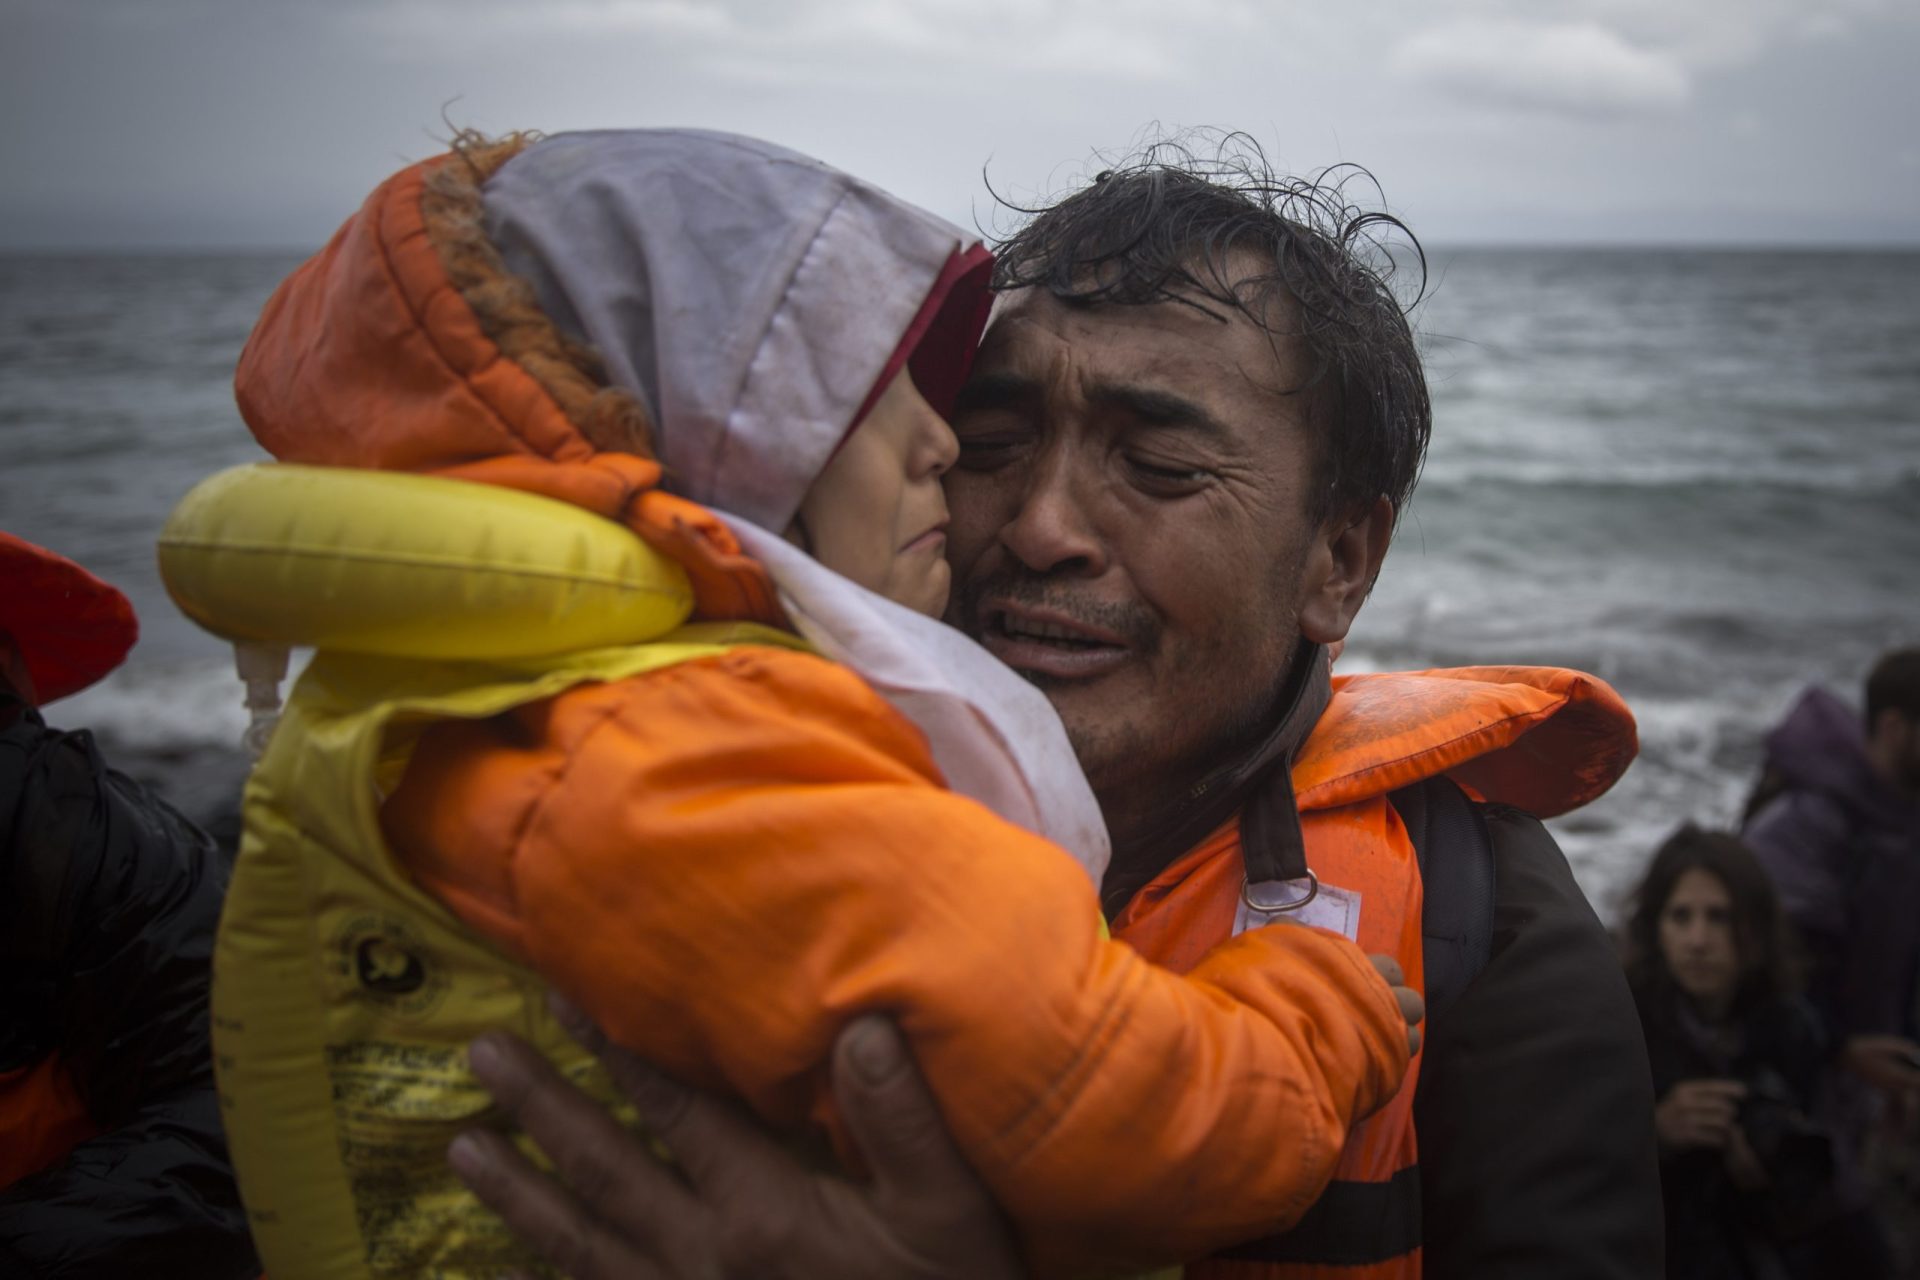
(820, 41)
(224, 122)
(1582, 68)
(1701, 34)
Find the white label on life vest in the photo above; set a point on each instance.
(1332, 908)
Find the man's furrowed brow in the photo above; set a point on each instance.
(1153, 407)
(994, 391)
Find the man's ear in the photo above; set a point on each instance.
(1341, 566)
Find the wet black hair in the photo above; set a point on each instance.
(1894, 685)
(1175, 222)
(1764, 942)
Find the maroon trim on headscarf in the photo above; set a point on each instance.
(68, 627)
(940, 343)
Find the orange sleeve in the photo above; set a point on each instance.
(725, 860)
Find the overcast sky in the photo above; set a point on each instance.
(216, 123)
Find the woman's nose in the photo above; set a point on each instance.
(942, 447)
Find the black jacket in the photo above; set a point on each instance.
(108, 905)
(1715, 1229)
(1534, 1111)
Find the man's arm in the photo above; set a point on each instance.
(1535, 1104)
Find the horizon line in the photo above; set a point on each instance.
(1569, 245)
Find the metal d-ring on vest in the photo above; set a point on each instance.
(1313, 891)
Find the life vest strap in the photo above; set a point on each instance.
(1352, 1224)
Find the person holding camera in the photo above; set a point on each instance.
(1749, 1180)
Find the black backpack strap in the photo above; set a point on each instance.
(1456, 870)
(1356, 1224)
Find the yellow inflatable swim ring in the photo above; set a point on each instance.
(407, 566)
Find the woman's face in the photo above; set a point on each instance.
(877, 514)
(1696, 939)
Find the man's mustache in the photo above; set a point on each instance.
(1133, 622)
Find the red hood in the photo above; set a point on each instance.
(66, 627)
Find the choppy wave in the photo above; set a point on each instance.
(1868, 479)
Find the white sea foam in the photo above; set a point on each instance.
(159, 708)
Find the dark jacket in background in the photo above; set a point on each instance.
(108, 902)
(1714, 1229)
(1843, 849)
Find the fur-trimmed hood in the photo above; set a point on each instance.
(719, 304)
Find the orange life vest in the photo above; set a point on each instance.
(1380, 733)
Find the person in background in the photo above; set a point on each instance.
(112, 1158)
(1835, 820)
(1748, 1178)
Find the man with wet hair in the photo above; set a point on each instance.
(1194, 420)
(1264, 292)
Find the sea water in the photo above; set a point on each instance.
(1693, 473)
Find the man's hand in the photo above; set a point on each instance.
(735, 1203)
(1412, 1006)
(1698, 1113)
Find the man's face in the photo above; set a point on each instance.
(1130, 527)
(1894, 745)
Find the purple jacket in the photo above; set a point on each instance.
(1843, 848)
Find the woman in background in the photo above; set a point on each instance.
(1747, 1176)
